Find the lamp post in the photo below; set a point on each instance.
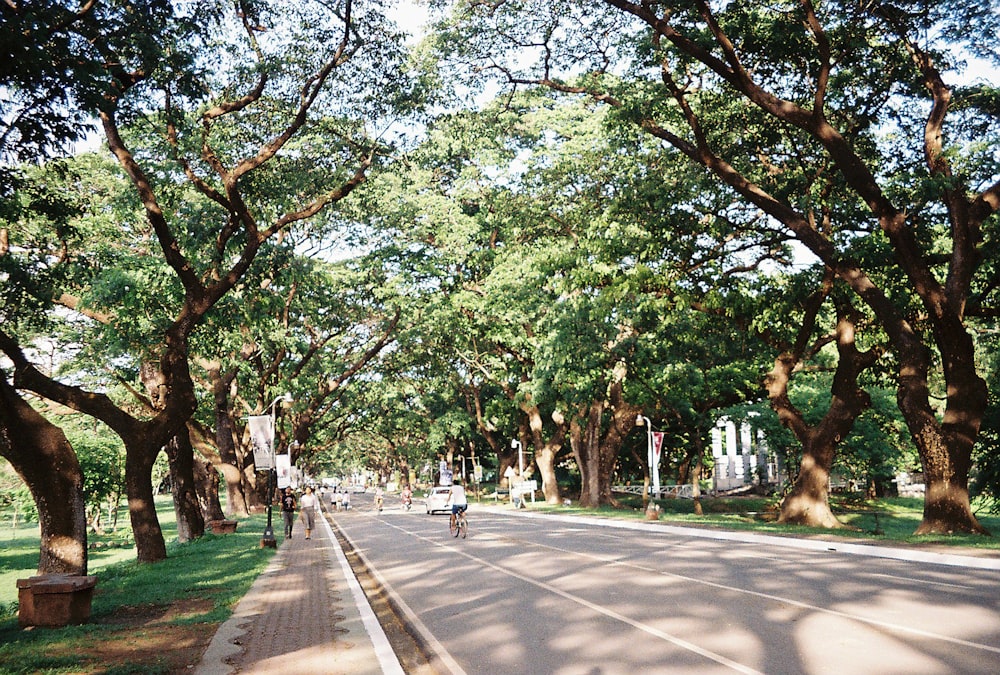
(268, 538)
(514, 443)
(654, 468)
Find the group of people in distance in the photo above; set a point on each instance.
(307, 505)
(340, 499)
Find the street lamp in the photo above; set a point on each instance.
(514, 443)
(654, 468)
(268, 538)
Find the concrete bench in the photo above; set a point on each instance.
(223, 526)
(54, 600)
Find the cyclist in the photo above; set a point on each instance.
(406, 497)
(378, 498)
(457, 500)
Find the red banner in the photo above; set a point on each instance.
(657, 444)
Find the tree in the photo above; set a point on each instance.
(34, 446)
(251, 172)
(807, 502)
(830, 128)
(38, 450)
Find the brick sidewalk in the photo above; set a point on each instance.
(300, 614)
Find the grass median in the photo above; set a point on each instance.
(148, 618)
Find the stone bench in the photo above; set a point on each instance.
(54, 600)
(223, 526)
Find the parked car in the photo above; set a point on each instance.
(437, 500)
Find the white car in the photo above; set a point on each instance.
(437, 500)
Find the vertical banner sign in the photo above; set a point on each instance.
(261, 437)
(283, 463)
(657, 445)
(657, 437)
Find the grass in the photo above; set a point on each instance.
(881, 520)
(136, 606)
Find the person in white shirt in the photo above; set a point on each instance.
(457, 500)
(307, 506)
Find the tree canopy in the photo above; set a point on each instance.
(543, 222)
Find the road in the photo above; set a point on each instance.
(566, 596)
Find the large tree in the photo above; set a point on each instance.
(237, 132)
(837, 114)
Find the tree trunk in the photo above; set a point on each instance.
(808, 502)
(546, 452)
(595, 448)
(41, 455)
(945, 448)
(230, 463)
(140, 454)
(180, 453)
(206, 480)
(699, 444)
(586, 443)
(187, 509)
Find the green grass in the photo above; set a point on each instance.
(886, 520)
(215, 570)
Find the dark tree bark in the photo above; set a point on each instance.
(808, 502)
(230, 463)
(945, 447)
(139, 459)
(187, 506)
(206, 480)
(598, 441)
(41, 455)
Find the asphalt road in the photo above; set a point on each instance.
(533, 595)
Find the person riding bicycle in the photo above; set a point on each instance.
(457, 500)
(378, 498)
(406, 497)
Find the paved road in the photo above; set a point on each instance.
(539, 595)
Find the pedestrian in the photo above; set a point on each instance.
(345, 500)
(288, 506)
(308, 511)
(335, 499)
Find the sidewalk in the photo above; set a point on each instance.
(306, 612)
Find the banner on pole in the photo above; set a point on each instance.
(283, 463)
(657, 445)
(262, 439)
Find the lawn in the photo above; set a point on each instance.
(881, 520)
(150, 618)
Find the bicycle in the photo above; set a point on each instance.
(459, 524)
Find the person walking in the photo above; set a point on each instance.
(288, 506)
(308, 511)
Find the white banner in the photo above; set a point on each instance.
(283, 463)
(262, 439)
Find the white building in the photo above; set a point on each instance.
(742, 456)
